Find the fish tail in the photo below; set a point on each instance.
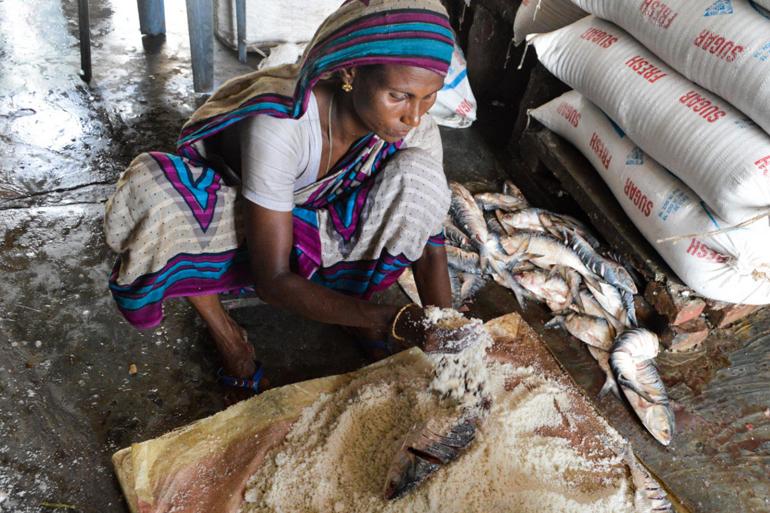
(610, 385)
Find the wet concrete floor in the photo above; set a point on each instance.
(67, 400)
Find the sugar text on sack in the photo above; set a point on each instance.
(718, 46)
(702, 106)
(599, 37)
(638, 198)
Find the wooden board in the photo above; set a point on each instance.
(205, 465)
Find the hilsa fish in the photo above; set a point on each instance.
(649, 495)
(552, 290)
(603, 359)
(612, 272)
(632, 360)
(426, 448)
(594, 331)
(470, 219)
(545, 251)
(497, 201)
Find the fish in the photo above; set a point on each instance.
(470, 219)
(589, 305)
(630, 306)
(465, 261)
(497, 201)
(611, 301)
(649, 495)
(426, 448)
(525, 219)
(632, 360)
(504, 277)
(603, 359)
(594, 331)
(549, 289)
(611, 272)
(470, 285)
(457, 238)
(494, 227)
(545, 251)
(509, 189)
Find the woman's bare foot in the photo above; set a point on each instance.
(231, 340)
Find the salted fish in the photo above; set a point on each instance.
(469, 218)
(632, 359)
(594, 331)
(649, 495)
(612, 272)
(509, 189)
(497, 201)
(457, 238)
(545, 251)
(550, 289)
(465, 261)
(603, 359)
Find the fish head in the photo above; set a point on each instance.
(659, 420)
(625, 278)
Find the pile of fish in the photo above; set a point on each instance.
(552, 258)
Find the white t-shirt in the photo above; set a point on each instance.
(279, 156)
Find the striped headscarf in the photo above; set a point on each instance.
(361, 32)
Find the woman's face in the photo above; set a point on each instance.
(390, 99)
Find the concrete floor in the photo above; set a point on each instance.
(67, 400)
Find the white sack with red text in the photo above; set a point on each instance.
(698, 136)
(730, 266)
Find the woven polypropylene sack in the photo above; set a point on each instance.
(536, 16)
(709, 145)
(722, 45)
(727, 267)
(269, 22)
(765, 4)
(455, 103)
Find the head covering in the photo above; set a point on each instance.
(361, 32)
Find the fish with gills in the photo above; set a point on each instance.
(594, 331)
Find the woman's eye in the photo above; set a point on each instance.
(399, 97)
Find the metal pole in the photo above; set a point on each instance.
(240, 17)
(152, 17)
(85, 40)
(200, 25)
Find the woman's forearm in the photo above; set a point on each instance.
(431, 274)
(303, 297)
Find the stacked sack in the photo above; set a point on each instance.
(718, 151)
(537, 16)
(728, 267)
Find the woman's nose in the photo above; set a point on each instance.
(412, 116)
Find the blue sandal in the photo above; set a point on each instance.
(251, 383)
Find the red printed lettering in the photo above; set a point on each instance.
(638, 198)
(601, 151)
(718, 46)
(645, 69)
(658, 13)
(599, 37)
(702, 106)
(703, 252)
(763, 165)
(569, 113)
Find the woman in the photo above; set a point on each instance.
(342, 188)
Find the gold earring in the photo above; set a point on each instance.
(347, 87)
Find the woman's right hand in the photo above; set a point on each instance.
(411, 328)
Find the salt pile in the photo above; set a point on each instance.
(528, 455)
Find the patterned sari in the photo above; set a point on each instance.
(177, 227)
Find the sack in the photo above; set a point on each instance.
(269, 23)
(713, 148)
(722, 45)
(280, 55)
(455, 104)
(536, 16)
(726, 267)
(763, 4)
